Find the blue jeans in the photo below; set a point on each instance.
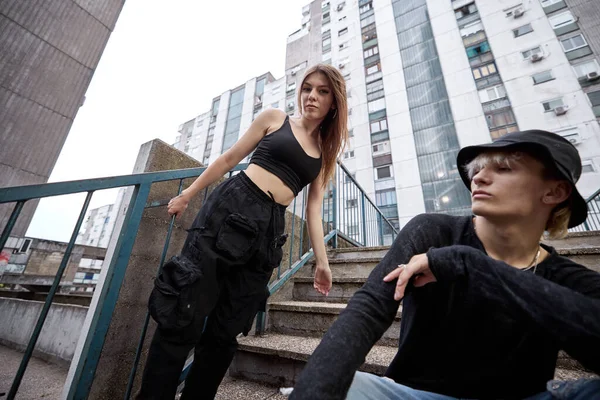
(371, 387)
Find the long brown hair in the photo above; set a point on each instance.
(334, 128)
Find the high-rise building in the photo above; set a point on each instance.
(49, 51)
(212, 133)
(428, 77)
(99, 224)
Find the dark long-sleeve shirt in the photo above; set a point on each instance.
(484, 330)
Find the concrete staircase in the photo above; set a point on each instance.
(298, 316)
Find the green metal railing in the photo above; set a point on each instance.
(357, 224)
(592, 222)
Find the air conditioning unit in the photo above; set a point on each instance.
(518, 13)
(340, 7)
(574, 139)
(293, 73)
(592, 76)
(535, 57)
(561, 110)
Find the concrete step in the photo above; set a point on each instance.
(576, 240)
(342, 289)
(237, 389)
(313, 319)
(344, 268)
(588, 256)
(358, 252)
(276, 359)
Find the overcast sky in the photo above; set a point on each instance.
(163, 64)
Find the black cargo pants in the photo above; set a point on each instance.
(222, 273)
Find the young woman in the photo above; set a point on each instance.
(236, 240)
(486, 306)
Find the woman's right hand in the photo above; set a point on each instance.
(177, 205)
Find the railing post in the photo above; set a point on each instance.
(380, 228)
(334, 206)
(364, 221)
(94, 342)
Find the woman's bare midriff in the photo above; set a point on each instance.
(268, 182)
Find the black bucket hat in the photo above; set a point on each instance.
(551, 149)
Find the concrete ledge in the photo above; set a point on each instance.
(286, 352)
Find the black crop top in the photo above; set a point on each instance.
(281, 154)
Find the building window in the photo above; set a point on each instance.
(275, 105)
(342, 32)
(542, 77)
(378, 126)
(373, 69)
(376, 105)
(25, 246)
(372, 51)
(550, 105)
(547, 3)
(493, 93)
(561, 20)
(528, 53)
(381, 148)
(375, 90)
(326, 45)
(595, 100)
(347, 177)
(587, 166)
(349, 154)
(326, 18)
(522, 30)
(351, 203)
(587, 67)
(478, 49)
(484, 70)
(573, 43)
(384, 172)
(499, 119)
(365, 8)
(385, 197)
(465, 10)
(351, 133)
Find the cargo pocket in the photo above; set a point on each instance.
(237, 236)
(172, 301)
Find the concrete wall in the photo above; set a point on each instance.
(59, 335)
(50, 51)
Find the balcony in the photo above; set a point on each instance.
(467, 19)
(553, 7)
(495, 105)
(488, 81)
(578, 53)
(570, 27)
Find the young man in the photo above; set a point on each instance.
(486, 307)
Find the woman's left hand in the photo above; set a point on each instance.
(418, 266)
(323, 278)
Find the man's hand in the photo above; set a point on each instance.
(418, 266)
(323, 278)
(177, 205)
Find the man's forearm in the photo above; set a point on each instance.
(572, 318)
